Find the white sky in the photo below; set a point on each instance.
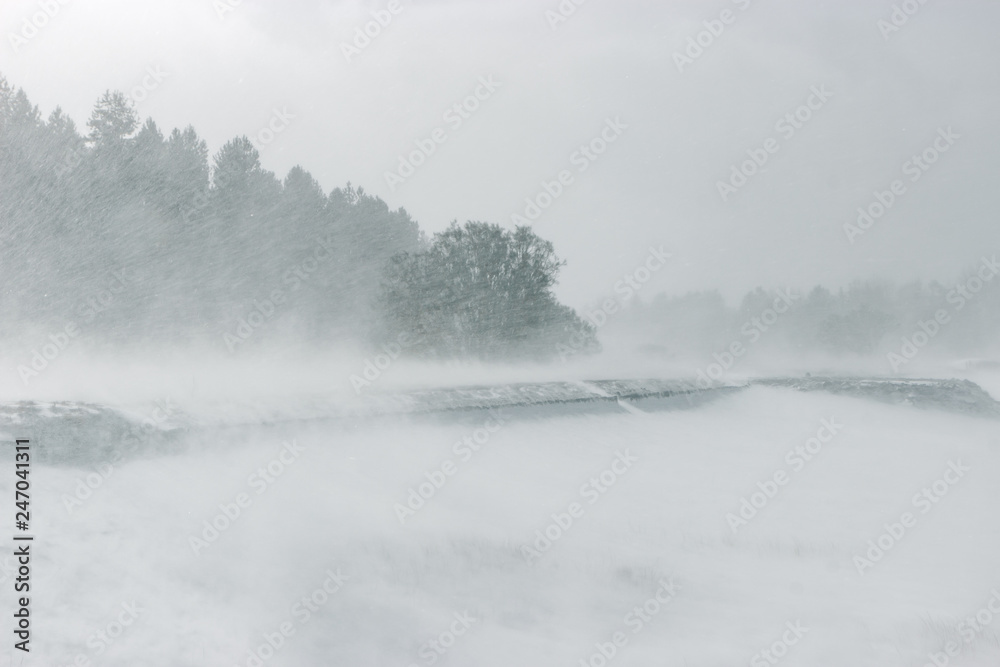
(656, 185)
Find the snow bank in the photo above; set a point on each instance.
(296, 526)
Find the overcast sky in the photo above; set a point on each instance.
(885, 94)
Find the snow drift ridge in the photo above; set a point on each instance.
(73, 433)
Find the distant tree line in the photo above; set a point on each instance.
(134, 235)
(126, 234)
(863, 319)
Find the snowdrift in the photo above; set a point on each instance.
(297, 524)
(84, 433)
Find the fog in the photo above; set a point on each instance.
(570, 332)
(657, 185)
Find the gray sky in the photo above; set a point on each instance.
(656, 184)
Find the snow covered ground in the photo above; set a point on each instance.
(647, 559)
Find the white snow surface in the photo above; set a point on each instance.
(663, 519)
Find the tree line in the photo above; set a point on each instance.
(865, 319)
(125, 233)
(210, 248)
